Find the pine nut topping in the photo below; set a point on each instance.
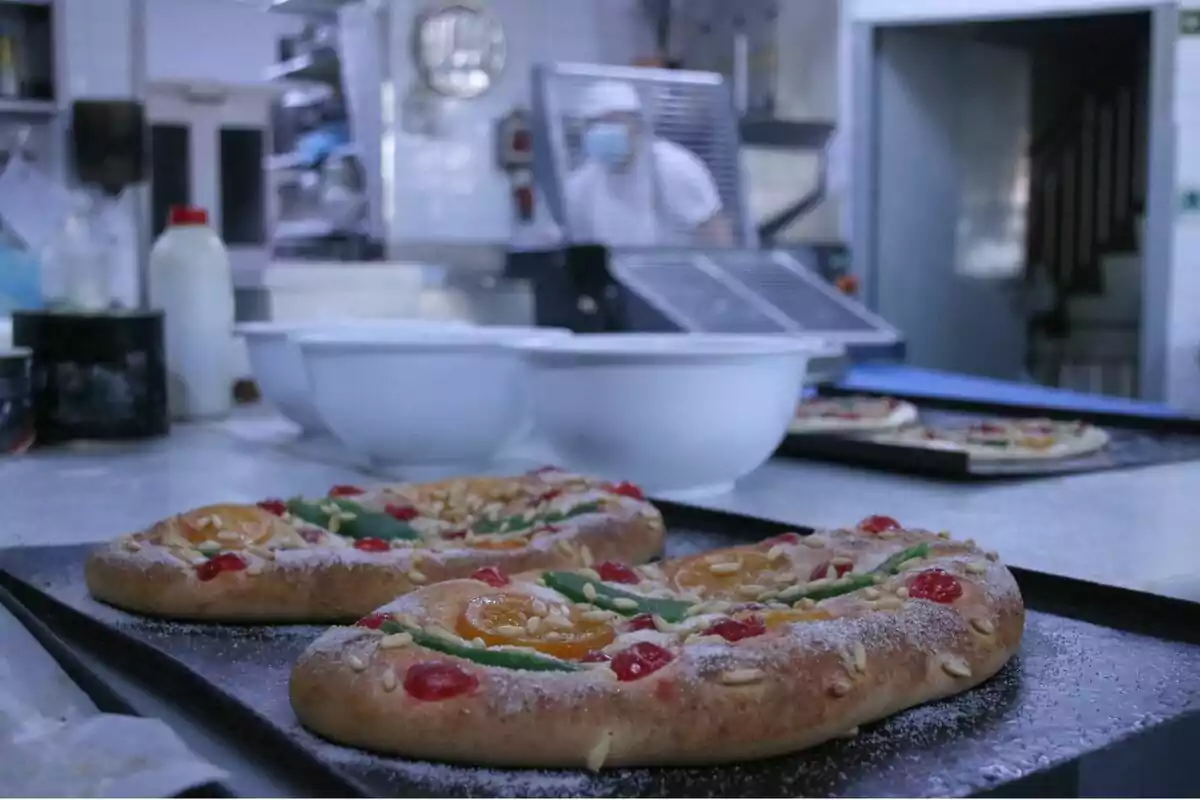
(624, 603)
(859, 655)
(254, 569)
(871, 593)
(599, 753)
(394, 640)
(976, 568)
(742, 677)
(533, 625)
(356, 663)
(388, 679)
(585, 555)
(839, 688)
(595, 616)
(775, 552)
(416, 576)
(956, 667)
(509, 631)
(984, 626)
(725, 568)
(589, 573)
(902, 592)
(589, 591)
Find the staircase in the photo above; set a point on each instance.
(1087, 197)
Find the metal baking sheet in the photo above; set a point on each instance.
(1135, 441)
(1097, 666)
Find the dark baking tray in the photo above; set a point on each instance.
(1097, 666)
(100, 693)
(1136, 441)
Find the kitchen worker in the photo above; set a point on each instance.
(635, 189)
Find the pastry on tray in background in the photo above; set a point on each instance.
(339, 557)
(1007, 439)
(852, 414)
(734, 654)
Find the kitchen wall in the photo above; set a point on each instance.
(217, 41)
(1183, 319)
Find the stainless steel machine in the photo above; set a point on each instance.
(741, 290)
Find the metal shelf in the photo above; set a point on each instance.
(29, 108)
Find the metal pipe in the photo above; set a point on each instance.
(139, 195)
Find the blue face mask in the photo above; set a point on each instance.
(608, 142)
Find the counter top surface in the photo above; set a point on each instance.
(1133, 528)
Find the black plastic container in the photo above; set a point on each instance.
(16, 400)
(96, 375)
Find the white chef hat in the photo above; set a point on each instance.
(607, 97)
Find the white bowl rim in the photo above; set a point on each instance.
(270, 328)
(661, 347)
(415, 340)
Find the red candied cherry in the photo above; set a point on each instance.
(370, 544)
(616, 572)
(373, 621)
(783, 538)
(822, 570)
(640, 660)
(438, 680)
(549, 496)
(492, 576)
(877, 523)
(225, 562)
(734, 630)
(642, 622)
(936, 585)
(345, 490)
(459, 533)
(402, 513)
(274, 506)
(595, 657)
(625, 489)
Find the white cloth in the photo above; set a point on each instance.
(607, 97)
(658, 201)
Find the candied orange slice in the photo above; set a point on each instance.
(232, 526)
(787, 616)
(508, 619)
(723, 572)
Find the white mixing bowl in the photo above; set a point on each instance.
(680, 414)
(421, 397)
(279, 370)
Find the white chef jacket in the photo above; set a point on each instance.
(659, 201)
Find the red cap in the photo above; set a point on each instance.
(187, 215)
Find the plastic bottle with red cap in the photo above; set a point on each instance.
(192, 282)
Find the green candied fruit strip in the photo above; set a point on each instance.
(852, 582)
(625, 603)
(846, 585)
(892, 565)
(519, 523)
(365, 523)
(505, 659)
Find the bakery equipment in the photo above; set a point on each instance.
(655, 408)
(590, 288)
(95, 376)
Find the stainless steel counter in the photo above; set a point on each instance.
(1132, 528)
